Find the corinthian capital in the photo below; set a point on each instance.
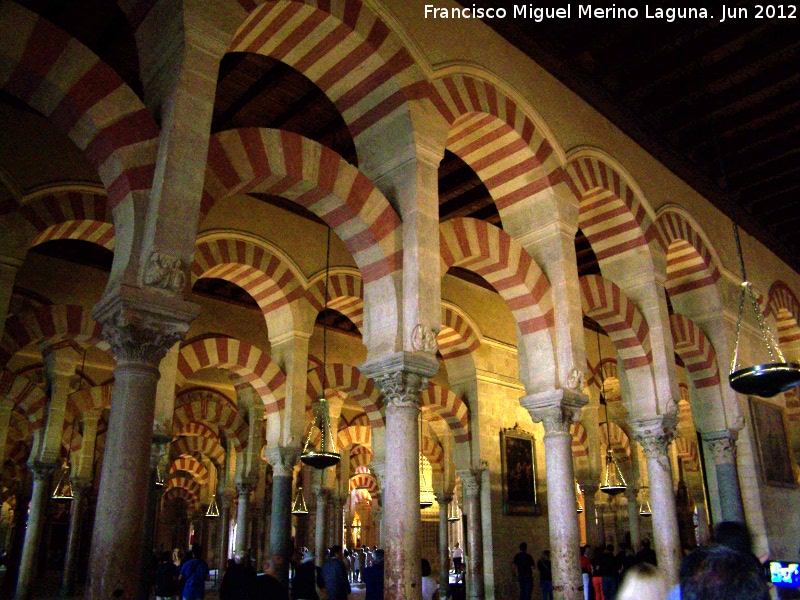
(654, 436)
(723, 445)
(401, 376)
(557, 410)
(283, 459)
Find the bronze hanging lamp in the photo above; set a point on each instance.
(326, 455)
(644, 507)
(453, 512)
(614, 482)
(425, 490)
(578, 505)
(299, 507)
(213, 510)
(768, 379)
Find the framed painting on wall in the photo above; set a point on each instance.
(772, 442)
(518, 458)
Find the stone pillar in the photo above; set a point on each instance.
(140, 327)
(322, 494)
(338, 507)
(703, 534)
(590, 513)
(471, 485)
(243, 488)
(444, 501)
(401, 377)
(723, 447)
(377, 515)
(633, 516)
(79, 489)
(654, 435)
(557, 410)
(282, 460)
(33, 533)
(224, 504)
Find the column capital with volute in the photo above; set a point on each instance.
(402, 376)
(556, 409)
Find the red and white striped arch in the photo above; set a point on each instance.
(365, 481)
(360, 456)
(48, 325)
(458, 336)
(200, 392)
(24, 393)
(433, 451)
(580, 440)
(354, 435)
(450, 407)
(345, 295)
(690, 264)
(695, 350)
(688, 451)
(346, 50)
(348, 379)
(491, 133)
(604, 302)
(196, 445)
(615, 437)
(70, 215)
(301, 170)
(95, 397)
(783, 305)
(189, 496)
(200, 429)
(19, 427)
(611, 215)
(254, 268)
(247, 361)
(82, 96)
(211, 411)
(189, 464)
(181, 481)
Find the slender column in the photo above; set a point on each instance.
(723, 447)
(243, 488)
(444, 501)
(282, 460)
(322, 493)
(379, 469)
(224, 504)
(702, 524)
(79, 489)
(557, 410)
(590, 513)
(338, 507)
(33, 534)
(471, 484)
(633, 516)
(401, 377)
(140, 329)
(654, 435)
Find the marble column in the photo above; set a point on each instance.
(444, 501)
(157, 450)
(654, 435)
(471, 486)
(224, 504)
(558, 410)
(590, 513)
(282, 460)
(401, 377)
(723, 447)
(140, 327)
(322, 494)
(35, 527)
(632, 495)
(243, 488)
(79, 489)
(338, 507)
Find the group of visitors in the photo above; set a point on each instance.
(357, 560)
(180, 575)
(726, 569)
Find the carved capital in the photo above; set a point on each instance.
(723, 445)
(283, 459)
(401, 376)
(42, 471)
(654, 435)
(443, 498)
(471, 480)
(379, 469)
(166, 272)
(243, 488)
(557, 410)
(323, 494)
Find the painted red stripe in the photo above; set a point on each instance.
(45, 45)
(272, 28)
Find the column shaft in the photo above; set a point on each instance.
(471, 482)
(590, 514)
(320, 523)
(444, 550)
(240, 545)
(224, 532)
(633, 518)
(723, 447)
(33, 533)
(74, 540)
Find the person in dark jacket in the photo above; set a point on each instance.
(267, 585)
(335, 575)
(237, 581)
(373, 577)
(166, 577)
(304, 583)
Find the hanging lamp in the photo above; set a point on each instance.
(326, 455)
(299, 505)
(159, 482)
(453, 512)
(213, 510)
(425, 491)
(644, 507)
(765, 380)
(613, 483)
(578, 505)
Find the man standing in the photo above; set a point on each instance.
(267, 585)
(373, 577)
(335, 575)
(194, 573)
(545, 575)
(458, 558)
(523, 571)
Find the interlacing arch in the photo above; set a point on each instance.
(491, 133)
(784, 306)
(348, 379)
(82, 96)
(604, 302)
(248, 362)
(345, 294)
(315, 177)
(28, 396)
(347, 51)
(494, 255)
(450, 407)
(190, 465)
(612, 215)
(199, 445)
(255, 268)
(690, 264)
(48, 325)
(695, 350)
(211, 410)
